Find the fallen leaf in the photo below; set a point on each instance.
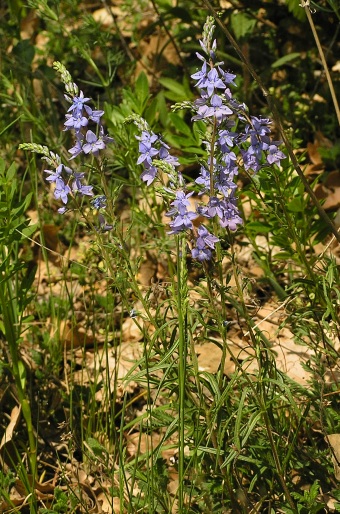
(15, 416)
(334, 442)
(8, 451)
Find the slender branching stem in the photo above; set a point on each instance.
(182, 302)
(323, 60)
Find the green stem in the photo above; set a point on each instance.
(182, 360)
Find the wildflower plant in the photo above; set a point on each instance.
(234, 139)
(200, 213)
(68, 183)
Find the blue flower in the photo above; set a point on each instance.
(54, 175)
(201, 254)
(182, 222)
(147, 152)
(61, 191)
(204, 179)
(78, 187)
(200, 76)
(182, 202)
(93, 115)
(260, 125)
(225, 139)
(227, 76)
(93, 143)
(216, 109)
(147, 137)
(78, 103)
(99, 202)
(75, 122)
(164, 155)
(226, 211)
(205, 242)
(76, 149)
(107, 139)
(149, 175)
(206, 238)
(213, 81)
(250, 160)
(275, 155)
(103, 226)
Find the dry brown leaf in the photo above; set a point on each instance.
(29, 24)
(140, 443)
(313, 153)
(73, 336)
(15, 417)
(108, 504)
(156, 52)
(107, 368)
(131, 333)
(8, 453)
(106, 16)
(313, 169)
(209, 357)
(334, 442)
(147, 270)
(330, 191)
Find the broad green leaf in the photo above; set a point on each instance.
(242, 24)
(28, 231)
(11, 172)
(25, 51)
(142, 87)
(295, 8)
(96, 447)
(2, 166)
(181, 91)
(180, 124)
(296, 205)
(151, 111)
(258, 227)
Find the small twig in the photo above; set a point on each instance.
(160, 17)
(119, 32)
(283, 304)
(323, 60)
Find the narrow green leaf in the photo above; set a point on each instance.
(285, 59)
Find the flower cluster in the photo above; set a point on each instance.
(154, 155)
(68, 182)
(152, 147)
(77, 118)
(227, 149)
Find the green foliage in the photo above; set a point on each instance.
(63, 502)
(236, 438)
(242, 24)
(309, 502)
